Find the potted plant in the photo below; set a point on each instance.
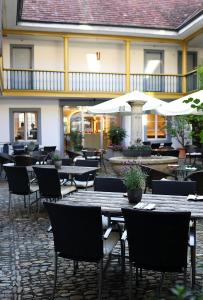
(57, 160)
(76, 140)
(117, 135)
(31, 147)
(181, 130)
(134, 179)
(137, 150)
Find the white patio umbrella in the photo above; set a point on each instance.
(120, 105)
(178, 107)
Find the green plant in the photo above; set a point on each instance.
(134, 178)
(197, 120)
(117, 135)
(31, 146)
(179, 129)
(76, 140)
(200, 76)
(56, 157)
(140, 148)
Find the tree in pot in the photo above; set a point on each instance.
(57, 160)
(134, 179)
(116, 135)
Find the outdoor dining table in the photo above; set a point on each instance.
(72, 170)
(112, 203)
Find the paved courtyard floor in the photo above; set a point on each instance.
(26, 264)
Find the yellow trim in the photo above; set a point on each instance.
(184, 67)
(33, 70)
(66, 87)
(83, 95)
(90, 36)
(127, 66)
(193, 35)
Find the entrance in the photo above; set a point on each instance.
(92, 128)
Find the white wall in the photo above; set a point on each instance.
(48, 54)
(112, 58)
(50, 119)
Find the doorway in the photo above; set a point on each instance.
(22, 63)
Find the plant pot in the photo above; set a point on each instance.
(135, 196)
(58, 164)
(182, 152)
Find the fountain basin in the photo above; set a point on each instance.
(159, 163)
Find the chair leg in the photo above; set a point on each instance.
(100, 279)
(75, 266)
(28, 209)
(55, 274)
(130, 282)
(160, 284)
(9, 203)
(24, 199)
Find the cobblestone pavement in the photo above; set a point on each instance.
(26, 264)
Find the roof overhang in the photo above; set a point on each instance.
(10, 14)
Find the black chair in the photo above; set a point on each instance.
(180, 188)
(72, 154)
(155, 145)
(109, 184)
(86, 180)
(95, 155)
(198, 177)
(114, 185)
(19, 184)
(167, 144)
(23, 160)
(19, 149)
(153, 174)
(171, 152)
(64, 176)
(4, 159)
(49, 184)
(147, 143)
(78, 235)
(173, 187)
(49, 149)
(157, 241)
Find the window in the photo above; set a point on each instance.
(25, 125)
(156, 127)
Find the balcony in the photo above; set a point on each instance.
(90, 82)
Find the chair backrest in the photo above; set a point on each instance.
(198, 177)
(48, 181)
(72, 154)
(168, 144)
(18, 180)
(49, 149)
(6, 158)
(66, 161)
(77, 231)
(157, 240)
(109, 184)
(23, 160)
(155, 145)
(152, 174)
(172, 152)
(173, 187)
(86, 163)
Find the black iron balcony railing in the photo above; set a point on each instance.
(39, 80)
(97, 82)
(156, 83)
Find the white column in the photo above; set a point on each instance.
(136, 120)
(82, 126)
(102, 132)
